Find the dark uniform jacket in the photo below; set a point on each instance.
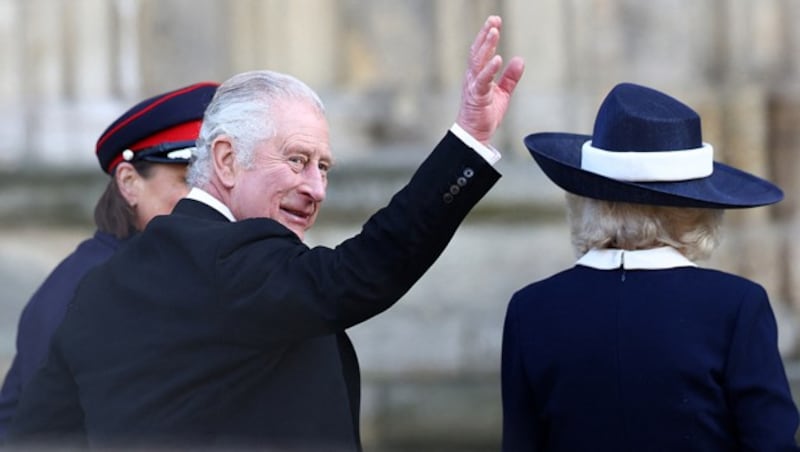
(674, 359)
(42, 315)
(204, 332)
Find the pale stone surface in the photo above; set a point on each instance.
(390, 73)
(182, 42)
(85, 20)
(126, 59)
(11, 75)
(283, 36)
(454, 31)
(69, 132)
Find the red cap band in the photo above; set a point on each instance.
(182, 132)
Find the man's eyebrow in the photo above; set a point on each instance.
(308, 152)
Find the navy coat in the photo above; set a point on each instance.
(207, 332)
(681, 359)
(43, 313)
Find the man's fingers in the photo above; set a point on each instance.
(511, 76)
(485, 78)
(484, 101)
(486, 50)
(485, 45)
(490, 23)
(473, 49)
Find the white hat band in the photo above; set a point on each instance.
(655, 166)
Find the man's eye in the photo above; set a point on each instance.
(324, 167)
(298, 160)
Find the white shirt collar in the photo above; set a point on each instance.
(651, 259)
(206, 198)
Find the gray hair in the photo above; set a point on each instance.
(604, 224)
(242, 109)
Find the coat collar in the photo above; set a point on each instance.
(204, 197)
(651, 259)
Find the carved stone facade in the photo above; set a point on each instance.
(389, 72)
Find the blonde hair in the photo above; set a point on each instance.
(594, 223)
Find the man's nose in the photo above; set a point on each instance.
(315, 184)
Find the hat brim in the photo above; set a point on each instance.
(559, 156)
(171, 152)
(160, 159)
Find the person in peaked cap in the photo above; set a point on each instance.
(636, 347)
(145, 151)
(217, 326)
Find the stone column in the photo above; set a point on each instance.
(85, 107)
(543, 33)
(785, 130)
(785, 118)
(126, 54)
(751, 48)
(43, 76)
(13, 104)
(88, 54)
(298, 37)
(182, 42)
(387, 91)
(457, 22)
(744, 128)
(248, 28)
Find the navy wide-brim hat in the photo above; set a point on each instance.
(162, 129)
(646, 148)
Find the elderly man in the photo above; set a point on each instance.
(217, 326)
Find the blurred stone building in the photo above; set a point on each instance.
(389, 73)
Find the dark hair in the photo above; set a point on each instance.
(112, 214)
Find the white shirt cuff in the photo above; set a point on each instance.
(489, 153)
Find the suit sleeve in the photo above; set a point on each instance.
(9, 396)
(521, 428)
(758, 390)
(49, 411)
(322, 290)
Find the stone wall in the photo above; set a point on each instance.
(389, 73)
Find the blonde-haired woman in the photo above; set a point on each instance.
(636, 347)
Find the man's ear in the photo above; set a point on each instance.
(128, 182)
(224, 159)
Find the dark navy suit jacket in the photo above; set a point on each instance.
(681, 359)
(203, 332)
(42, 315)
